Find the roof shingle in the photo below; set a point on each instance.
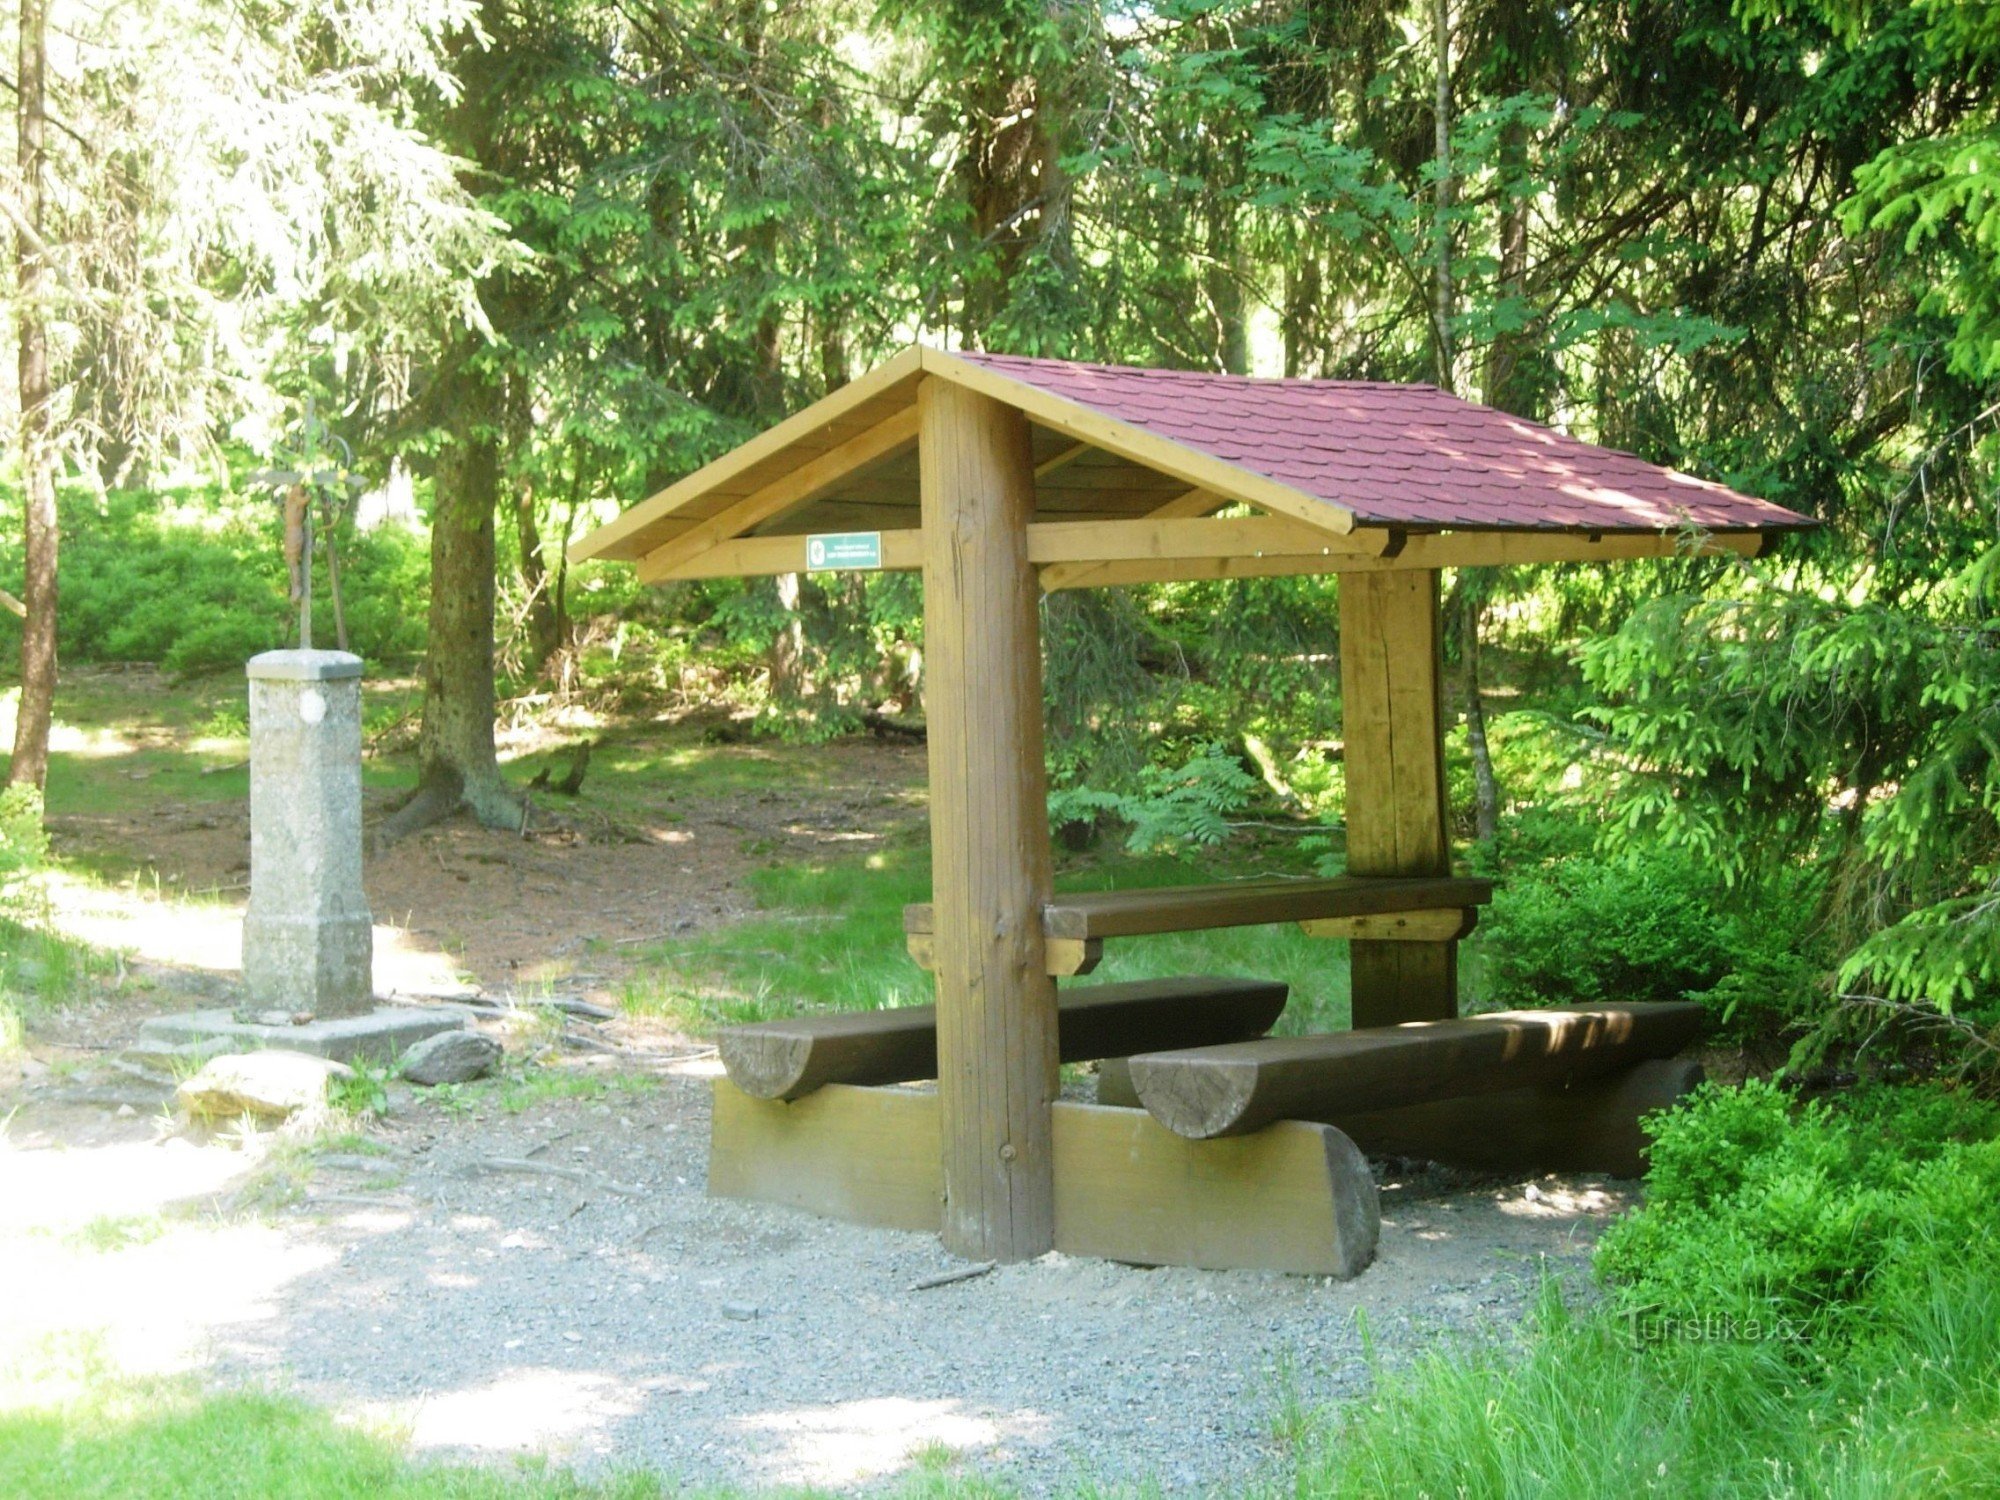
(1400, 455)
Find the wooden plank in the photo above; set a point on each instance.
(808, 481)
(788, 1059)
(1188, 505)
(1296, 1198)
(1229, 536)
(1250, 903)
(1494, 549)
(1063, 956)
(767, 556)
(1238, 903)
(1061, 460)
(990, 868)
(1442, 925)
(1241, 1087)
(867, 1156)
(1392, 717)
(1068, 956)
(1049, 543)
(1420, 553)
(1130, 441)
(1592, 1125)
(624, 536)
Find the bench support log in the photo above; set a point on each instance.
(1590, 1126)
(1228, 1090)
(990, 870)
(790, 1058)
(1392, 719)
(1297, 1197)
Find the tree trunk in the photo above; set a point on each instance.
(788, 646)
(457, 765)
(544, 638)
(30, 763)
(1441, 229)
(1467, 608)
(543, 627)
(1225, 276)
(1486, 788)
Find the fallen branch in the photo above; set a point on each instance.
(883, 727)
(952, 1278)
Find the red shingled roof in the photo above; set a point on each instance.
(1400, 455)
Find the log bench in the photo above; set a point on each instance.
(787, 1059)
(1074, 925)
(802, 1119)
(1543, 1090)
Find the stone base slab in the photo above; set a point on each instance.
(380, 1035)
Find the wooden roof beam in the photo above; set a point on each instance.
(1175, 541)
(799, 487)
(1463, 549)
(1196, 502)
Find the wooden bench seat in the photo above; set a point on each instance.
(1232, 1089)
(1075, 924)
(792, 1057)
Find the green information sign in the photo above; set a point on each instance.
(843, 549)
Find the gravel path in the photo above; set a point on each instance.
(551, 1279)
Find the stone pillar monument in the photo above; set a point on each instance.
(308, 945)
(308, 940)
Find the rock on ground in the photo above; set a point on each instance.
(450, 1057)
(273, 1084)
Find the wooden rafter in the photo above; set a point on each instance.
(1196, 502)
(622, 537)
(800, 487)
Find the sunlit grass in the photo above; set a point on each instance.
(830, 937)
(1575, 1409)
(40, 970)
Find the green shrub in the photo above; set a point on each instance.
(1176, 808)
(23, 844)
(1859, 1235)
(1827, 1219)
(1581, 929)
(195, 581)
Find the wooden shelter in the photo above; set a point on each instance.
(1001, 478)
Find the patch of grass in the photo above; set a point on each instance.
(523, 1089)
(111, 1438)
(363, 1091)
(41, 971)
(162, 1438)
(831, 938)
(349, 1143)
(110, 1232)
(1582, 1411)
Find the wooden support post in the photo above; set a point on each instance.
(1393, 723)
(990, 864)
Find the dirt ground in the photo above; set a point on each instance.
(527, 1273)
(530, 1265)
(458, 903)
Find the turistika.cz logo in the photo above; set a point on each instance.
(1653, 1325)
